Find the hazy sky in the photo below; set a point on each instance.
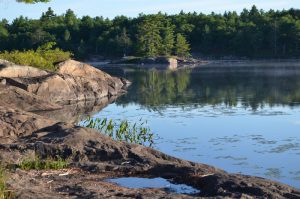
(110, 8)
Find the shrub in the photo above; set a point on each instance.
(45, 57)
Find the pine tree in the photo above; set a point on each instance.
(125, 41)
(182, 47)
(168, 39)
(149, 39)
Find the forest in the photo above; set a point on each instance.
(252, 33)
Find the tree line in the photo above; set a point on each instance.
(252, 33)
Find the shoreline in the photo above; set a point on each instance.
(96, 157)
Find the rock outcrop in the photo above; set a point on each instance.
(15, 123)
(8, 69)
(11, 96)
(73, 82)
(97, 155)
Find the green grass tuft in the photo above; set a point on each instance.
(38, 164)
(4, 192)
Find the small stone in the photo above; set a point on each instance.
(3, 81)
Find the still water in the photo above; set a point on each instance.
(241, 119)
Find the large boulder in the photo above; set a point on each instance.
(73, 82)
(65, 89)
(79, 69)
(8, 69)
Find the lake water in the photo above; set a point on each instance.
(240, 119)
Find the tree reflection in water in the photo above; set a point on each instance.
(156, 89)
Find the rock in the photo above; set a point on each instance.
(79, 184)
(3, 81)
(19, 99)
(64, 89)
(173, 63)
(160, 60)
(149, 62)
(74, 82)
(15, 123)
(8, 69)
(100, 155)
(79, 69)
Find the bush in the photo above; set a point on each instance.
(45, 57)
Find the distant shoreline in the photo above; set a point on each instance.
(270, 63)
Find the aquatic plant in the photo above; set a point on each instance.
(138, 132)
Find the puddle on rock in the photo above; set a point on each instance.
(157, 183)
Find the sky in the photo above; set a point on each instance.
(9, 9)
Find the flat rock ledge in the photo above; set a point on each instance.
(93, 157)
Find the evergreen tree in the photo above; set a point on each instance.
(252, 33)
(182, 48)
(48, 15)
(149, 39)
(124, 41)
(168, 39)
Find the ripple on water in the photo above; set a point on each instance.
(274, 173)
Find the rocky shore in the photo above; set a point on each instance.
(37, 118)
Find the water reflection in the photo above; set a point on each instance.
(156, 89)
(74, 113)
(243, 120)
